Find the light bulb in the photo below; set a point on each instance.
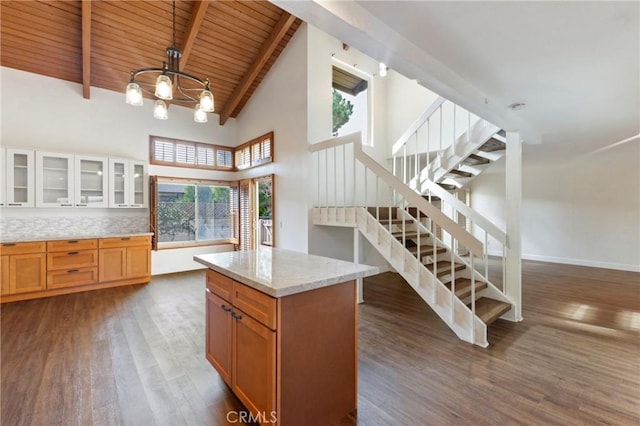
(206, 101)
(164, 87)
(134, 94)
(160, 110)
(383, 69)
(199, 115)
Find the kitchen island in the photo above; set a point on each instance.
(281, 332)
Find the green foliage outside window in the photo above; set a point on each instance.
(342, 110)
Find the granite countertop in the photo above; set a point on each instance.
(71, 237)
(279, 273)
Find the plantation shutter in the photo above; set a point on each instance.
(153, 211)
(245, 215)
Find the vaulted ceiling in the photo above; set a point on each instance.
(98, 43)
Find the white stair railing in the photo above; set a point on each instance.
(349, 182)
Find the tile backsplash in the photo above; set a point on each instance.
(28, 227)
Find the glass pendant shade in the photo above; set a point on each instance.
(160, 110)
(206, 101)
(164, 87)
(134, 94)
(199, 115)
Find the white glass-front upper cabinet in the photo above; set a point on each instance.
(3, 177)
(54, 180)
(91, 181)
(128, 184)
(20, 178)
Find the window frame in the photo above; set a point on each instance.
(249, 148)
(234, 239)
(196, 145)
(367, 139)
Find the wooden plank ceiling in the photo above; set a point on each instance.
(98, 43)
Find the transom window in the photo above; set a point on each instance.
(179, 153)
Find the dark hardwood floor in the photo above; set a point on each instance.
(135, 356)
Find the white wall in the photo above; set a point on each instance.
(49, 114)
(582, 211)
(279, 104)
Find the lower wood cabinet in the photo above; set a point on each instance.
(290, 360)
(23, 267)
(72, 263)
(124, 258)
(38, 269)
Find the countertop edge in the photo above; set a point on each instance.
(301, 288)
(73, 237)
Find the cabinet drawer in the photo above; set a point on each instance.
(72, 259)
(124, 242)
(256, 304)
(220, 285)
(23, 248)
(72, 277)
(72, 245)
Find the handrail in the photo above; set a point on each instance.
(467, 239)
(355, 138)
(417, 124)
(467, 211)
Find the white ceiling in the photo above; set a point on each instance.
(575, 64)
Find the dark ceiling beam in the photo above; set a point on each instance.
(197, 16)
(86, 49)
(279, 31)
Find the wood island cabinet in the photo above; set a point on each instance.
(290, 360)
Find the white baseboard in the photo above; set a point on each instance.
(577, 262)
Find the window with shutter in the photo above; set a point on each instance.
(179, 153)
(245, 215)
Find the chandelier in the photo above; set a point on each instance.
(170, 83)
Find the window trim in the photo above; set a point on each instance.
(167, 245)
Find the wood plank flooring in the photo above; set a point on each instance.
(135, 356)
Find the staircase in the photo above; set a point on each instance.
(416, 238)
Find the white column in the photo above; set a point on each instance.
(356, 260)
(513, 201)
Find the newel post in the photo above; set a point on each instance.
(513, 202)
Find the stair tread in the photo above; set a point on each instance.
(475, 160)
(460, 173)
(489, 310)
(410, 234)
(443, 267)
(493, 145)
(463, 287)
(425, 249)
(395, 221)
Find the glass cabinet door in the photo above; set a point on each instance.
(91, 181)
(20, 178)
(54, 180)
(118, 183)
(3, 177)
(138, 185)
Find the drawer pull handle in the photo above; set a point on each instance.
(224, 308)
(125, 238)
(9, 245)
(71, 253)
(72, 241)
(236, 316)
(14, 204)
(71, 271)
